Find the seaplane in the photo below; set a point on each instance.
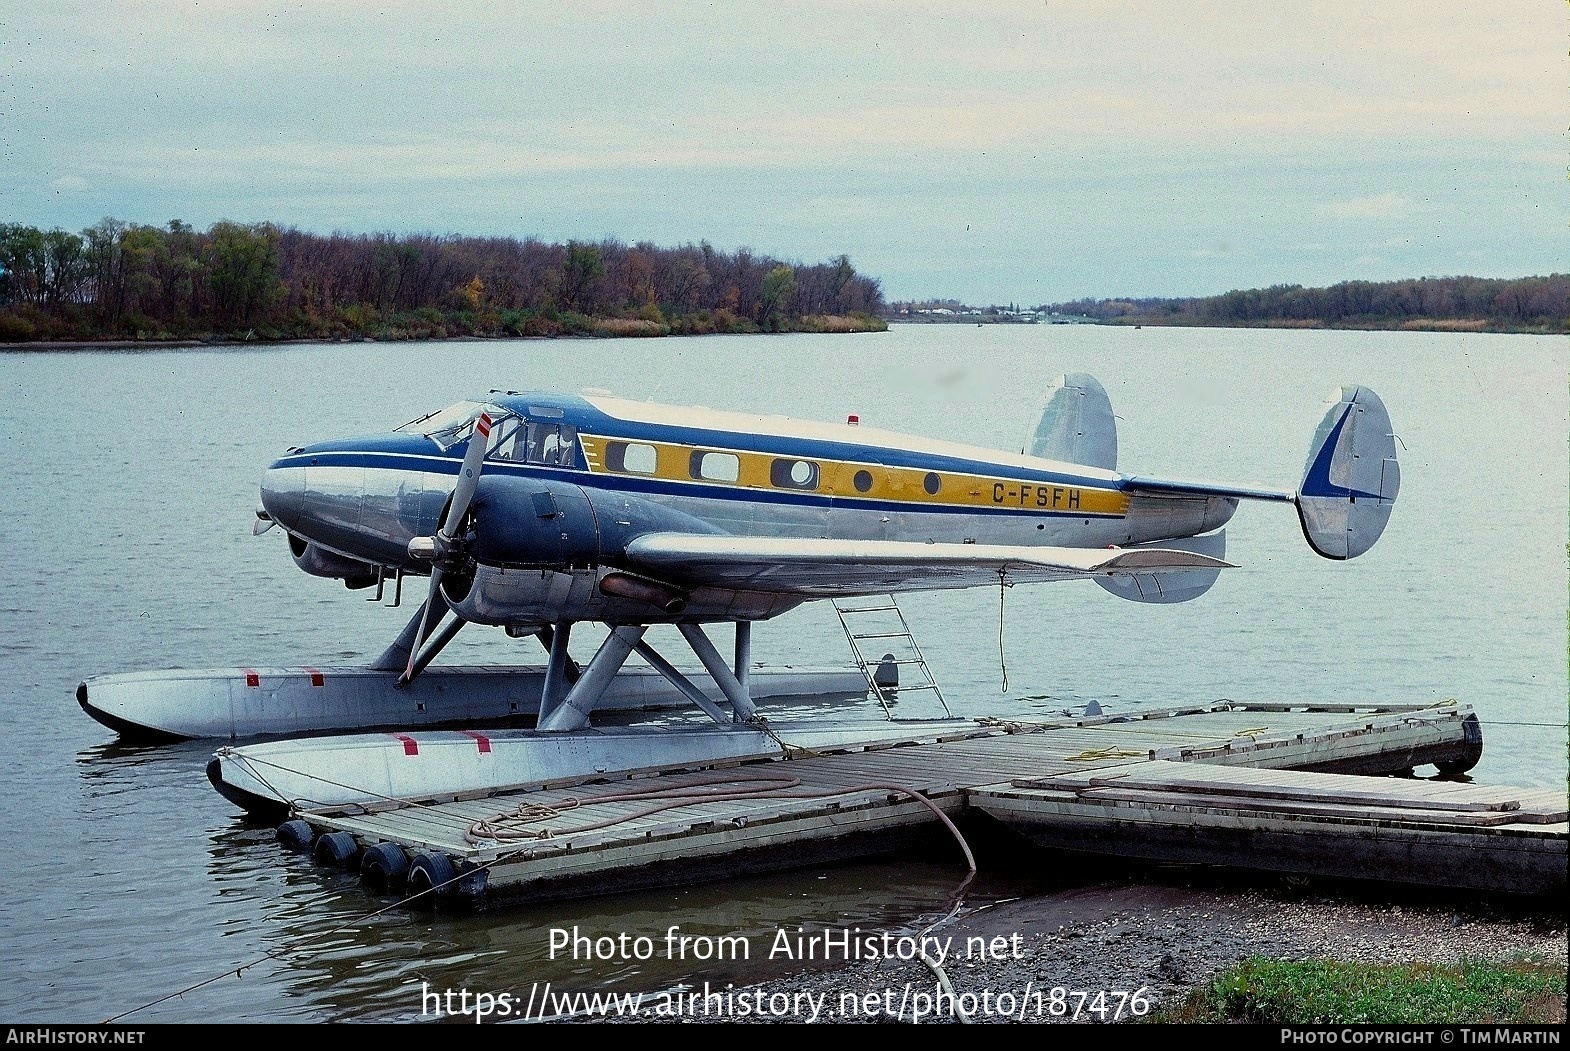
(534, 512)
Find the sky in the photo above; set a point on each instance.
(988, 151)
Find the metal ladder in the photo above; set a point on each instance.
(885, 608)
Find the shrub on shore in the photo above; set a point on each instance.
(1330, 992)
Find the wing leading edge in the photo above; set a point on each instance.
(819, 567)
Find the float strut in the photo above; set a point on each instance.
(439, 643)
(743, 663)
(396, 656)
(560, 672)
(573, 712)
(715, 665)
(684, 684)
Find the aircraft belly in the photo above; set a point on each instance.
(749, 518)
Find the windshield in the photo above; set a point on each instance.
(447, 427)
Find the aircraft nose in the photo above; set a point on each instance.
(283, 495)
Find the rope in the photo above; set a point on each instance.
(497, 829)
(1002, 661)
(249, 761)
(1012, 726)
(501, 827)
(790, 751)
(1094, 754)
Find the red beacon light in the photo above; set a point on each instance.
(853, 420)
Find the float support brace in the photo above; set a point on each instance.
(573, 712)
(396, 656)
(560, 672)
(715, 665)
(684, 684)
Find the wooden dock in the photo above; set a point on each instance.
(1228, 784)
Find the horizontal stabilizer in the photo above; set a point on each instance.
(1176, 586)
(1144, 486)
(1349, 484)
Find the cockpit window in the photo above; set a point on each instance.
(554, 444)
(534, 441)
(447, 427)
(507, 440)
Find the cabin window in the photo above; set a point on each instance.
(862, 481)
(631, 458)
(932, 483)
(715, 467)
(794, 474)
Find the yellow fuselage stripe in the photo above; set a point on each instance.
(902, 484)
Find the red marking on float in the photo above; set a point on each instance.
(253, 680)
(316, 677)
(483, 741)
(410, 745)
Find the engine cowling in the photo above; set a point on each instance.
(533, 524)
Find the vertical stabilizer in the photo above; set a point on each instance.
(1077, 425)
(1351, 479)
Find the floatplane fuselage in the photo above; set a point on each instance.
(625, 512)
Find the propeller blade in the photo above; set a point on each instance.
(469, 475)
(431, 599)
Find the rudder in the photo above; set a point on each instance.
(1351, 479)
(1077, 425)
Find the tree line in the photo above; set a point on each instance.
(1526, 304)
(261, 281)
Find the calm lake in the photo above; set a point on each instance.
(127, 532)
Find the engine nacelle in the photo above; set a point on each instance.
(545, 524)
(320, 562)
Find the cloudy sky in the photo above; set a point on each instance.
(993, 151)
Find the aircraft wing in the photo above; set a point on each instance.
(820, 567)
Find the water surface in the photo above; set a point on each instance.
(127, 533)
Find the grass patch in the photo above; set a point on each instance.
(1329, 992)
(628, 326)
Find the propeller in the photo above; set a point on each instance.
(442, 547)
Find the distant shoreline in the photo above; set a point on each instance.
(1464, 327)
(45, 345)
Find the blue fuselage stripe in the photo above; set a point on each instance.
(449, 465)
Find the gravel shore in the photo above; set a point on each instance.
(1159, 941)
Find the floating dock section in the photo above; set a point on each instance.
(1230, 785)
